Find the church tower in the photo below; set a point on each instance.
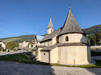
(73, 49)
(50, 26)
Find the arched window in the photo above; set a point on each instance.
(67, 39)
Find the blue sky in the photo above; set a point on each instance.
(23, 17)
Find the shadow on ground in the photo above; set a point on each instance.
(13, 68)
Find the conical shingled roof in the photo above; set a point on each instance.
(71, 25)
(50, 25)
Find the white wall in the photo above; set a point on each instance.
(75, 37)
(23, 44)
(38, 57)
(54, 40)
(3, 45)
(45, 56)
(50, 30)
(47, 43)
(54, 55)
(74, 55)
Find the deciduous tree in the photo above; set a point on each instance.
(11, 45)
(98, 38)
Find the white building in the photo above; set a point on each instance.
(3, 44)
(24, 44)
(66, 45)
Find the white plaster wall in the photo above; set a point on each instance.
(83, 55)
(75, 37)
(50, 43)
(39, 54)
(47, 43)
(30, 46)
(66, 55)
(54, 40)
(24, 44)
(50, 30)
(45, 58)
(41, 44)
(3, 45)
(74, 55)
(54, 55)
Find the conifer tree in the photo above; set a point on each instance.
(98, 38)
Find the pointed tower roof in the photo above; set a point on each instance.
(71, 25)
(50, 25)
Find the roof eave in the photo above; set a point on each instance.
(45, 40)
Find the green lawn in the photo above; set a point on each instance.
(11, 39)
(23, 59)
(97, 65)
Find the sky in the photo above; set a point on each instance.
(24, 17)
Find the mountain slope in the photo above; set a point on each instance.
(92, 30)
(28, 38)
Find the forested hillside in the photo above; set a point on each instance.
(29, 38)
(18, 39)
(93, 30)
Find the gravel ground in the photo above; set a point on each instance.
(13, 68)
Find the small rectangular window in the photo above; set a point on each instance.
(67, 39)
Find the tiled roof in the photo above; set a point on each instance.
(39, 37)
(71, 25)
(51, 35)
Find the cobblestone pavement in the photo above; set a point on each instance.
(13, 68)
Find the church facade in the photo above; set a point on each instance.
(66, 45)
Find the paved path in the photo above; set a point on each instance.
(96, 57)
(13, 68)
(16, 52)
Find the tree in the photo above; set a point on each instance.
(98, 38)
(0, 45)
(1, 48)
(11, 45)
(92, 39)
(87, 39)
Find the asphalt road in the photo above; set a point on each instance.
(13, 68)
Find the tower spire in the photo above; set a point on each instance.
(69, 6)
(50, 26)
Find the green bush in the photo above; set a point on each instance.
(11, 45)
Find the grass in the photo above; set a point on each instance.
(11, 39)
(97, 65)
(21, 58)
